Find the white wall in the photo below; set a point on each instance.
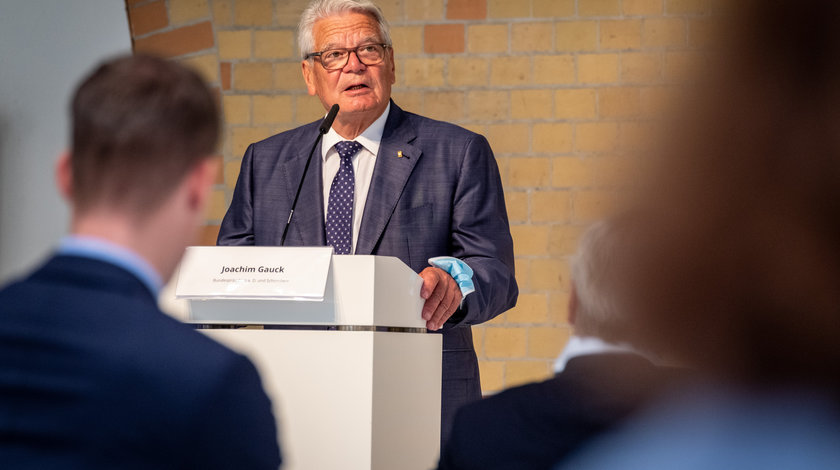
(46, 46)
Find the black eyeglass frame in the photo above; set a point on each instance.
(354, 50)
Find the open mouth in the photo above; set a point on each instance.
(356, 87)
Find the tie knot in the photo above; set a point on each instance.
(347, 148)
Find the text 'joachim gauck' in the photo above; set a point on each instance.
(251, 269)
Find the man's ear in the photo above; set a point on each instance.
(306, 68)
(64, 175)
(199, 182)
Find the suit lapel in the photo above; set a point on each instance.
(308, 220)
(390, 175)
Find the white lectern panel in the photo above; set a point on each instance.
(349, 399)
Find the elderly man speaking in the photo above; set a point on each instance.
(384, 182)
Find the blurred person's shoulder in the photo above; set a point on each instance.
(701, 428)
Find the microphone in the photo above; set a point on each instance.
(327, 122)
(322, 129)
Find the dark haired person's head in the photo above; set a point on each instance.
(139, 170)
(140, 123)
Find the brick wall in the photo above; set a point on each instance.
(563, 89)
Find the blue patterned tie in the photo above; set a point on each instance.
(340, 207)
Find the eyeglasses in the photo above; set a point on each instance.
(335, 59)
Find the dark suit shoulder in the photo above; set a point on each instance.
(534, 425)
(425, 124)
(637, 375)
(428, 128)
(516, 403)
(107, 311)
(293, 139)
(587, 381)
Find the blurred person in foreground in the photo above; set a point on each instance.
(744, 280)
(92, 373)
(384, 182)
(601, 378)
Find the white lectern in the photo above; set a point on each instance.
(354, 377)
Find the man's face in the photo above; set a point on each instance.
(359, 89)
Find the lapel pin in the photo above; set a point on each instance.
(399, 154)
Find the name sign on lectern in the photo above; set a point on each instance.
(253, 272)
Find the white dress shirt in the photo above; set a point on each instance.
(363, 164)
(584, 345)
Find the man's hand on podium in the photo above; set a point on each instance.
(442, 295)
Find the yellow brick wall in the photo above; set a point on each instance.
(563, 90)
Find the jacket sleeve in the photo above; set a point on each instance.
(238, 224)
(481, 235)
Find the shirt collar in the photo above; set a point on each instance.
(585, 345)
(109, 252)
(370, 138)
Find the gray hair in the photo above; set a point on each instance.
(320, 9)
(596, 270)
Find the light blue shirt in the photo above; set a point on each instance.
(109, 252)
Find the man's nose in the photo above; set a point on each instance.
(353, 63)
